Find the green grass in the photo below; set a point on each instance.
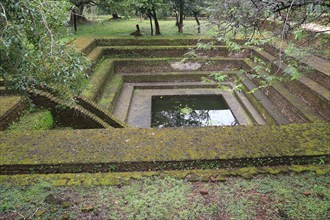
(36, 119)
(125, 27)
(263, 197)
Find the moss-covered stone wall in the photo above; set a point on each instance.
(11, 108)
(156, 149)
(66, 115)
(123, 178)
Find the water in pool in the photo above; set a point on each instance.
(191, 111)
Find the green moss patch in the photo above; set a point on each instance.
(111, 92)
(157, 149)
(103, 72)
(124, 178)
(161, 51)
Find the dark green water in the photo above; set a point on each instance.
(191, 111)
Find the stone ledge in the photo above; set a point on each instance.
(124, 178)
(70, 114)
(11, 109)
(102, 74)
(101, 113)
(156, 149)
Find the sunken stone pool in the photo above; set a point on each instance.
(191, 111)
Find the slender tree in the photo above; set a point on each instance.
(179, 10)
(195, 8)
(80, 6)
(148, 7)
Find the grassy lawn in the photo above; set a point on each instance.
(289, 196)
(124, 27)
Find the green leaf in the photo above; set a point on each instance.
(186, 110)
(298, 34)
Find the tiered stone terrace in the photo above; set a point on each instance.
(285, 124)
(132, 74)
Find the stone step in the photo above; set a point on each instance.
(154, 65)
(308, 90)
(161, 51)
(322, 77)
(250, 109)
(127, 150)
(97, 82)
(124, 102)
(290, 105)
(188, 41)
(315, 62)
(85, 44)
(195, 76)
(111, 92)
(294, 108)
(269, 112)
(175, 85)
(11, 108)
(316, 96)
(160, 47)
(101, 113)
(95, 54)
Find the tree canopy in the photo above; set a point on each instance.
(250, 17)
(259, 22)
(31, 53)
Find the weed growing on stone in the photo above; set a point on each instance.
(36, 119)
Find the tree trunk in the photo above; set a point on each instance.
(151, 27)
(181, 14)
(157, 27)
(176, 18)
(79, 14)
(198, 23)
(74, 15)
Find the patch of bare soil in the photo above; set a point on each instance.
(186, 66)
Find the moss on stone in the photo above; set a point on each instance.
(150, 147)
(8, 102)
(111, 92)
(104, 179)
(101, 75)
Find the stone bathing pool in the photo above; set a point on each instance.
(129, 75)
